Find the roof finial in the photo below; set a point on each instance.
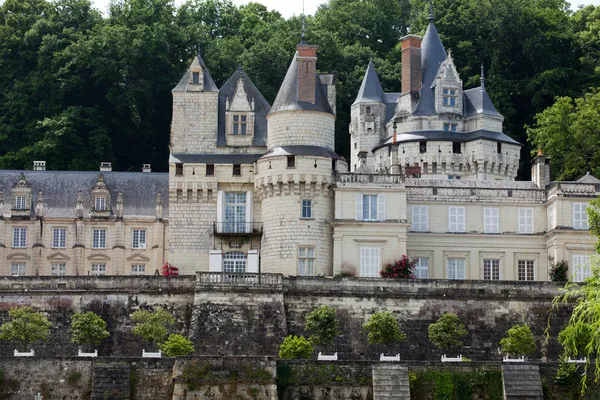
(431, 14)
(482, 77)
(303, 40)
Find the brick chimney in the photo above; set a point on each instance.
(307, 72)
(411, 63)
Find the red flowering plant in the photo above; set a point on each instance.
(399, 269)
(559, 271)
(169, 270)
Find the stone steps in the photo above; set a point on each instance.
(390, 382)
(522, 382)
(111, 381)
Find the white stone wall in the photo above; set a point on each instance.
(306, 128)
(195, 122)
(363, 139)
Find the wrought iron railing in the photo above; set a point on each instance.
(238, 278)
(237, 228)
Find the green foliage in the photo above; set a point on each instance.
(88, 328)
(295, 347)
(574, 339)
(177, 345)
(323, 325)
(383, 328)
(445, 384)
(25, 327)
(74, 378)
(447, 332)
(519, 341)
(559, 272)
(194, 374)
(152, 326)
(566, 374)
(593, 213)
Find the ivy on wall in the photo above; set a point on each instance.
(444, 384)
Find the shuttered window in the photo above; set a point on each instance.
(370, 264)
(420, 218)
(581, 267)
(580, 220)
(526, 220)
(490, 220)
(456, 219)
(456, 268)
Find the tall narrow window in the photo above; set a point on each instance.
(196, 78)
(138, 238)
(59, 269)
(237, 170)
(98, 238)
(19, 237)
(306, 261)
(526, 220)
(17, 269)
(581, 267)
(580, 218)
(210, 169)
(291, 161)
(420, 221)
(179, 169)
(490, 220)
(370, 264)
(20, 202)
(456, 219)
(100, 204)
(456, 148)
(59, 238)
(491, 270)
(236, 125)
(243, 124)
(422, 147)
(369, 207)
(449, 97)
(235, 212)
(98, 269)
(498, 148)
(306, 208)
(422, 268)
(456, 268)
(526, 270)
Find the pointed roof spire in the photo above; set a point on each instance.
(431, 17)
(302, 37)
(370, 89)
(482, 77)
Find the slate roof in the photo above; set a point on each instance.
(60, 189)
(477, 101)
(391, 101)
(287, 97)
(419, 136)
(209, 84)
(301, 151)
(589, 178)
(261, 108)
(214, 158)
(370, 89)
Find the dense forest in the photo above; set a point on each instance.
(78, 87)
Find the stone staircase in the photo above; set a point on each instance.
(522, 382)
(111, 381)
(390, 382)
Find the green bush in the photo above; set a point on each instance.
(323, 325)
(574, 339)
(447, 332)
(383, 328)
(25, 327)
(88, 328)
(295, 347)
(177, 345)
(519, 341)
(152, 326)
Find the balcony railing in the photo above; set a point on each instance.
(242, 278)
(237, 228)
(372, 179)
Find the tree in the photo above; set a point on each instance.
(323, 325)
(569, 132)
(295, 347)
(152, 326)
(88, 328)
(383, 328)
(574, 339)
(519, 341)
(26, 327)
(177, 345)
(593, 213)
(447, 332)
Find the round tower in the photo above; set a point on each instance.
(294, 178)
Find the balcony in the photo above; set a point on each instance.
(229, 229)
(369, 179)
(238, 279)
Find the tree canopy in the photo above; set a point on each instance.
(25, 327)
(80, 87)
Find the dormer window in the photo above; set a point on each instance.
(450, 127)
(240, 123)
(195, 78)
(449, 97)
(100, 204)
(369, 110)
(20, 203)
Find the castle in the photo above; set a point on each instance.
(259, 188)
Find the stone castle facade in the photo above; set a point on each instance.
(254, 187)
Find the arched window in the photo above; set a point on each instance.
(234, 261)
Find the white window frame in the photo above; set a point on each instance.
(370, 262)
(19, 238)
(138, 269)
(582, 267)
(306, 209)
(58, 269)
(491, 269)
(456, 268)
(580, 217)
(306, 261)
(420, 218)
(18, 269)
(20, 202)
(236, 212)
(239, 124)
(235, 262)
(364, 208)
(98, 269)
(98, 238)
(449, 97)
(527, 275)
(456, 219)
(526, 221)
(100, 203)
(491, 220)
(422, 268)
(138, 238)
(59, 238)
(369, 207)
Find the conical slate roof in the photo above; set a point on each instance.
(287, 97)
(370, 89)
(432, 55)
(209, 84)
(477, 101)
